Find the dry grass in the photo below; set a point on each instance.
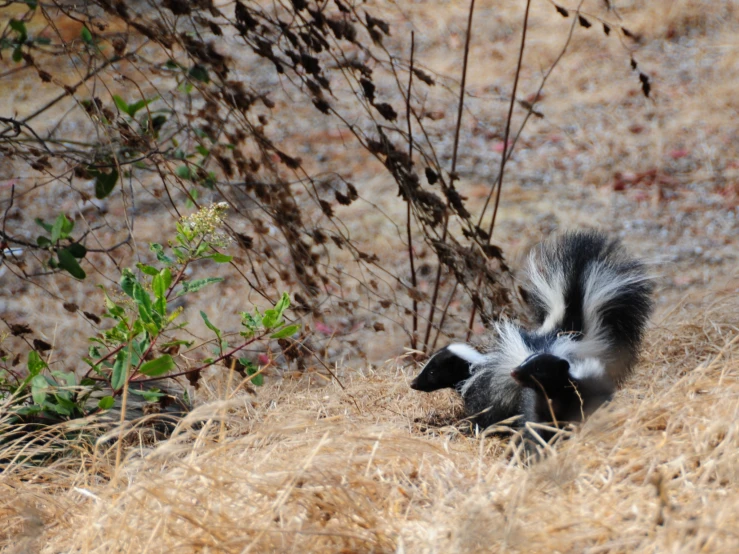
(598, 130)
(308, 467)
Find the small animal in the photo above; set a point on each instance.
(591, 304)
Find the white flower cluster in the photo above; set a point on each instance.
(207, 222)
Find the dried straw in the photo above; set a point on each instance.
(302, 467)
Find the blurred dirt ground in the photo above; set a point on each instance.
(306, 465)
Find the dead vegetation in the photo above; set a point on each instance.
(304, 465)
(310, 468)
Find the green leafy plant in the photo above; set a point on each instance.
(59, 242)
(141, 346)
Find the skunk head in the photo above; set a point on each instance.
(546, 371)
(447, 368)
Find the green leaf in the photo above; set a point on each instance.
(210, 326)
(147, 269)
(77, 250)
(143, 300)
(202, 150)
(41, 223)
(282, 304)
(159, 366)
(35, 363)
(199, 73)
(166, 277)
(251, 369)
(120, 369)
(128, 282)
(160, 285)
(29, 410)
(45, 41)
(139, 348)
(201, 249)
(251, 322)
(136, 106)
(220, 258)
(68, 377)
(183, 172)
(151, 395)
(114, 309)
(120, 103)
(20, 28)
(64, 406)
(67, 226)
(17, 54)
(271, 319)
(288, 331)
(43, 242)
(33, 4)
(105, 183)
(177, 342)
(60, 228)
(86, 35)
(197, 284)
(106, 403)
(68, 262)
(158, 249)
(39, 386)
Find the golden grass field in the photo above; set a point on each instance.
(306, 468)
(307, 464)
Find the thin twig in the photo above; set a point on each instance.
(204, 366)
(122, 422)
(10, 205)
(460, 109)
(443, 315)
(504, 157)
(549, 402)
(414, 282)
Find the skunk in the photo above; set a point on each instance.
(591, 304)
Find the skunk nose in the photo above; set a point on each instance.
(414, 384)
(516, 375)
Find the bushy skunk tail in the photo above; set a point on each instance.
(583, 284)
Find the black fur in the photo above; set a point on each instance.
(557, 396)
(444, 370)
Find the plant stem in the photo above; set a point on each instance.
(414, 282)
(504, 155)
(204, 366)
(460, 109)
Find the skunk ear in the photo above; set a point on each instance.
(447, 367)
